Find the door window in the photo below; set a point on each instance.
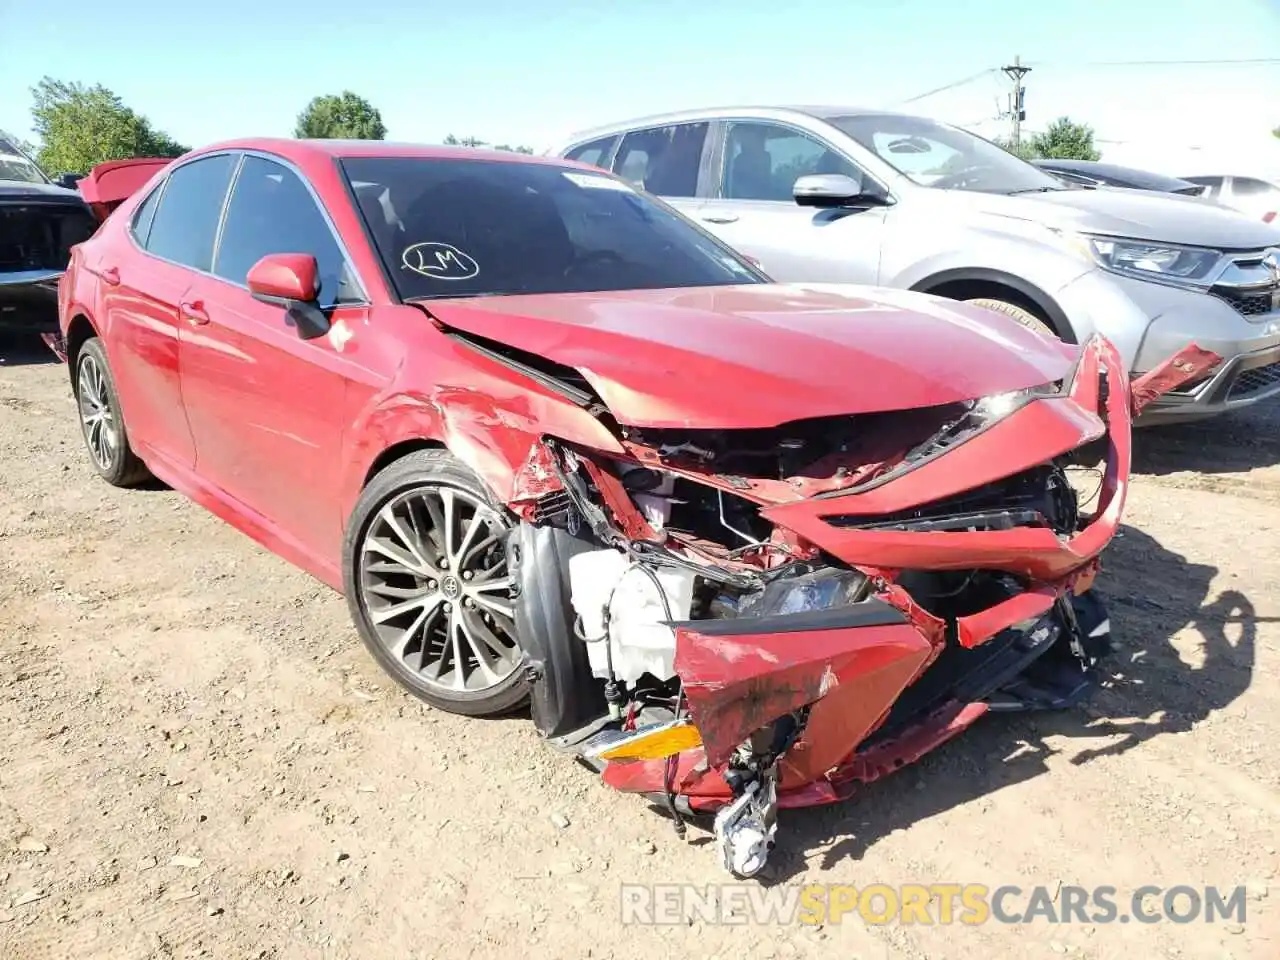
(595, 153)
(272, 211)
(1250, 187)
(186, 222)
(764, 160)
(663, 160)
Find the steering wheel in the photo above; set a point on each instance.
(960, 177)
(594, 257)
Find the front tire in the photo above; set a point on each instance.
(101, 420)
(1015, 312)
(426, 579)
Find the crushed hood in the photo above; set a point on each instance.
(759, 355)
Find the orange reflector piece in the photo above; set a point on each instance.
(655, 742)
(1085, 581)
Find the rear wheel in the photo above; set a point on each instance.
(1021, 314)
(426, 578)
(101, 421)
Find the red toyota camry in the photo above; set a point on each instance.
(741, 545)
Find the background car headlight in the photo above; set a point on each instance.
(1189, 266)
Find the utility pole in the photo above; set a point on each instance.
(1017, 110)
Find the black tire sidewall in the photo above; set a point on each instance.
(434, 467)
(122, 464)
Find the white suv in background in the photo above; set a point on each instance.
(846, 195)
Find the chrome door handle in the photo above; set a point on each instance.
(721, 218)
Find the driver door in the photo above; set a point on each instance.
(753, 211)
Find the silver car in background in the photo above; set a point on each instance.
(844, 195)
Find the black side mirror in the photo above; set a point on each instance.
(68, 180)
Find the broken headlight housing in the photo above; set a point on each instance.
(825, 589)
(978, 416)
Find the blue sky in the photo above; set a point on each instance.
(524, 72)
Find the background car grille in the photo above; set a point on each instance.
(1246, 304)
(1255, 381)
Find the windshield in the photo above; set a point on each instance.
(933, 154)
(15, 166)
(447, 227)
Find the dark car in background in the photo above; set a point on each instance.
(1094, 173)
(40, 221)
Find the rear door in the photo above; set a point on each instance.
(752, 209)
(597, 153)
(143, 283)
(265, 406)
(667, 161)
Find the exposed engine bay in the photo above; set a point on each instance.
(37, 236)
(35, 245)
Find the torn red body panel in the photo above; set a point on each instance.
(737, 684)
(1185, 366)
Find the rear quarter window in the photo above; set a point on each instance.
(185, 223)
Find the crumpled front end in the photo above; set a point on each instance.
(771, 617)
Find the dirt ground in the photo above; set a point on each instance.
(168, 689)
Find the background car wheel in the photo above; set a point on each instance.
(426, 578)
(101, 421)
(1023, 316)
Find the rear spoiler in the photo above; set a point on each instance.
(110, 184)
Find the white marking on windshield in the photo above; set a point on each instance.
(439, 261)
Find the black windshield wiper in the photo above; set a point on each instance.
(1014, 193)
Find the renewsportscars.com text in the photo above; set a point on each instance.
(928, 904)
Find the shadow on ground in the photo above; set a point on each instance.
(20, 348)
(1232, 443)
(1152, 594)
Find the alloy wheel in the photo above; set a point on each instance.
(433, 580)
(97, 418)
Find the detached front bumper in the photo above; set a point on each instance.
(862, 671)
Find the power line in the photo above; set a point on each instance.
(1254, 61)
(952, 85)
(1158, 63)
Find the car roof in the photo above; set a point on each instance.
(294, 149)
(763, 111)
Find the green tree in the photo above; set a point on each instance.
(1022, 149)
(343, 116)
(1066, 140)
(80, 127)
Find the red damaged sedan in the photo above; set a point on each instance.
(740, 545)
